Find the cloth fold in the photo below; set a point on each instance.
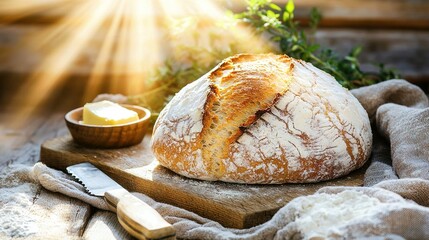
(392, 205)
(57, 181)
(399, 113)
(408, 132)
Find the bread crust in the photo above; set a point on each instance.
(263, 118)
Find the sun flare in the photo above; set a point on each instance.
(119, 44)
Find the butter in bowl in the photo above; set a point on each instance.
(108, 125)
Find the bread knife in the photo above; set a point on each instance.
(135, 216)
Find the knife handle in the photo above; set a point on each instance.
(138, 218)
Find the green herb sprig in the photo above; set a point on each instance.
(292, 39)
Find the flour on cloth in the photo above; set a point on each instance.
(16, 196)
(399, 112)
(25, 205)
(15, 220)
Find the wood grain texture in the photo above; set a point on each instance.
(58, 215)
(43, 214)
(21, 143)
(104, 225)
(337, 13)
(233, 205)
(392, 14)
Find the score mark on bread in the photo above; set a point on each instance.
(263, 118)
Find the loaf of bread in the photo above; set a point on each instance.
(263, 118)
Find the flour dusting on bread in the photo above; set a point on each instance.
(263, 119)
(180, 123)
(311, 129)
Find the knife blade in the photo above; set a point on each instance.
(135, 216)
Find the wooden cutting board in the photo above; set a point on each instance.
(136, 169)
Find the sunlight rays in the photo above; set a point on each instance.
(135, 38)
(66, 40)
(144, 51)
(106, 51)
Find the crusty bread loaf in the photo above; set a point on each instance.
(263, 119)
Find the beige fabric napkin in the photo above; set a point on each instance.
(394, 205)
(399, 113)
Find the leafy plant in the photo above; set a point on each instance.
(188, 59)
(279, 23)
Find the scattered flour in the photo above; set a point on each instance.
(15, 219)
(323, 214)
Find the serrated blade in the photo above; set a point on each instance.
(94, 180)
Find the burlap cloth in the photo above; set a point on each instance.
(392, 205)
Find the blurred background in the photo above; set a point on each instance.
(59, 54)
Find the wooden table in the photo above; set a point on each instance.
(58, 216)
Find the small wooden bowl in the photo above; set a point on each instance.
(110, 136)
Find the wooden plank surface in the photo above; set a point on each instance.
(104, 225)
(67, 216)
(135, 168)
(396, 14)
(411, 14)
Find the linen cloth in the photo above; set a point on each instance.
(393, 203)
